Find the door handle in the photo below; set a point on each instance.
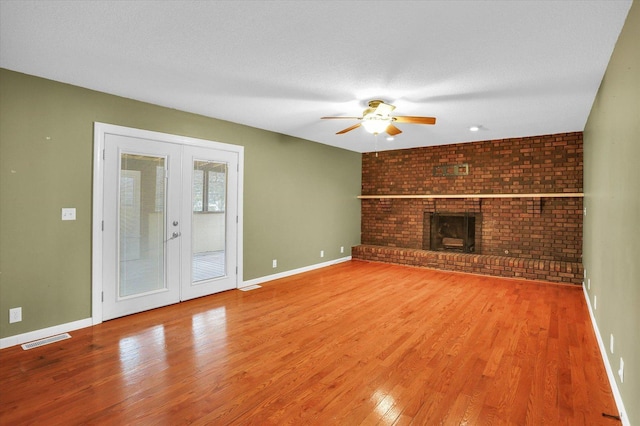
(174, 236)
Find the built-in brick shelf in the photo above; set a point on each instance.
(500, 266)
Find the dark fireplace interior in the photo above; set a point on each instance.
(452, 232)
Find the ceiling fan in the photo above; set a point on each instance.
(377, 119)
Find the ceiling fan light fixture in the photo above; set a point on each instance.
(375, 124)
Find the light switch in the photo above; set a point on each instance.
(69, 213)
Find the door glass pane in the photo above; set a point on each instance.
(141, 224)
(208, 241)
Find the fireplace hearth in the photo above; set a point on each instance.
(452, 232)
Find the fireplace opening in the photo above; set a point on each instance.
(452, 232)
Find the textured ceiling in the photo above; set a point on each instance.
(515, 68)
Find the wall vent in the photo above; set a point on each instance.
(42, 342)
(451, 170)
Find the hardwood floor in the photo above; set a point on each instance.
(355, 343)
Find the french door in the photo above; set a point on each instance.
(169, 220)
(210, 219)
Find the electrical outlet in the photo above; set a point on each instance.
(611, 343)
(69, 213)
(321, 253)
(621, 370)
(341, 249)
(15, 315)
(275, 263)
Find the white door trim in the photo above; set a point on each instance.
(102, 129)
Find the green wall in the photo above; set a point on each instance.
(611, 250)
(299, 196)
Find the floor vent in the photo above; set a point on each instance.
(46, 341)
(250, 287)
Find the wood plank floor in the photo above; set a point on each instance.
(351, 344)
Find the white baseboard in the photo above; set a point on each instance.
(44, 332)
(603, 352)
(284, 274)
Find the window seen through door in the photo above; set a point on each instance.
(209, 187)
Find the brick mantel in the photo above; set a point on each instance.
(432, 196)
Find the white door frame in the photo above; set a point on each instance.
(99, 132)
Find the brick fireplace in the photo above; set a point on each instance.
(516, 232)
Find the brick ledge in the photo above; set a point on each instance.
(500, 266)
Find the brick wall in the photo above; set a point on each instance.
(547, 229)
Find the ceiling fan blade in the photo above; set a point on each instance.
(340, 118)
(415, 120)
(348, 129)
(393, 130)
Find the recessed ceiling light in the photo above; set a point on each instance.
(474, 128)
(390, 138)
